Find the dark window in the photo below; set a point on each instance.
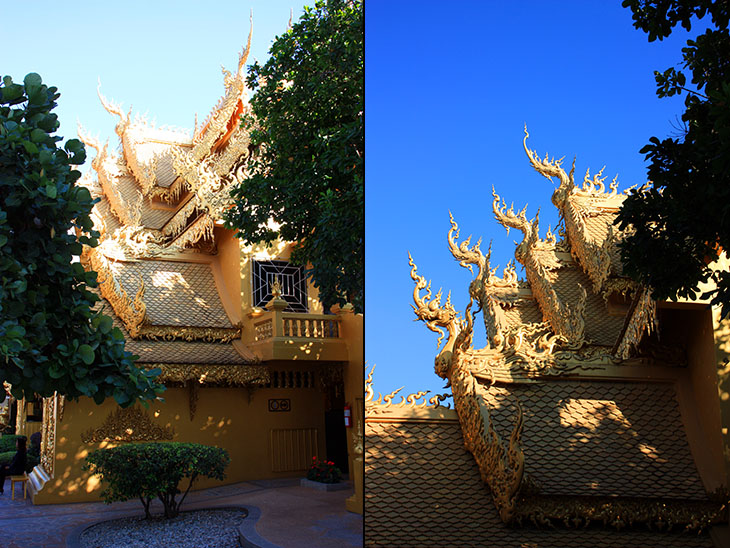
(291, 278)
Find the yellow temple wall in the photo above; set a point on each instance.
(224, 417)
(229, 260)
(354, 379)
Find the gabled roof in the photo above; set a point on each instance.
(158, 202)
(568, 422)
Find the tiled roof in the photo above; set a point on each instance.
(180, 352)
(176, 294)
(154, 218)
(601, 438)
(600, 327)
(422, 488)
(524, 311)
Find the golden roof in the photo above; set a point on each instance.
(158, 202)
(569, 415)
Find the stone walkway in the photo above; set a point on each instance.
(281, 514)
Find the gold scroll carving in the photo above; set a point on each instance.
(213, 375)
(131, 424)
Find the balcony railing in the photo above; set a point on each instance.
(275, 324)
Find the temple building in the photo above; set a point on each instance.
(251, 360)
(594, 416)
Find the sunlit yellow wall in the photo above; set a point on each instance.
(224, 418)
(352, 331)
(229, 259)
(722, 364)
(690, 326)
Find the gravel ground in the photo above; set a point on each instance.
(195, 529)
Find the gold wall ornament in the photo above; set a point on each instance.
(357, 441)
(211, 375)
(576, 204)
(48, 434)
(236, 152)
(108, 169)
(199, 231)
(130, 424)
(275, 288)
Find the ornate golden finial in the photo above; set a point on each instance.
(552, 168)
(110, 106)
(246, 50)
(291, 17)
(87, 139)
(275, 288)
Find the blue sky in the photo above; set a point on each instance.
(449, 87)
(161, 57)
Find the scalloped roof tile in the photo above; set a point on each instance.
(423, 489)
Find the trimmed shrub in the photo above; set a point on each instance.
(154, 470)
(7, 443)
(7, 456)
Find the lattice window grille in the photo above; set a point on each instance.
(292, 280)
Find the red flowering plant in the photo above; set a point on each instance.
(323, 471)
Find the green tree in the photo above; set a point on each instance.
(154, 470)
(307, 125)
(50, 339)
(681, 220)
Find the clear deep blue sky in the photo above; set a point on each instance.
(449, 86)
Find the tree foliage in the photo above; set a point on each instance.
(50, 339)
(154, 470)
(307, 125)
(681, 220)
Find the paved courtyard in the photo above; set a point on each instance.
(281, 514)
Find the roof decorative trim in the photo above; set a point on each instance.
(225, 111)
(214, 375)
(619, 513)
(131, 311)
(385, 403)
(642, 320)
(576, 204)
(189, 333)
(538, 258)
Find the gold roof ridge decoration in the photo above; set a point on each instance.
(576, 335)
(374, 406)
